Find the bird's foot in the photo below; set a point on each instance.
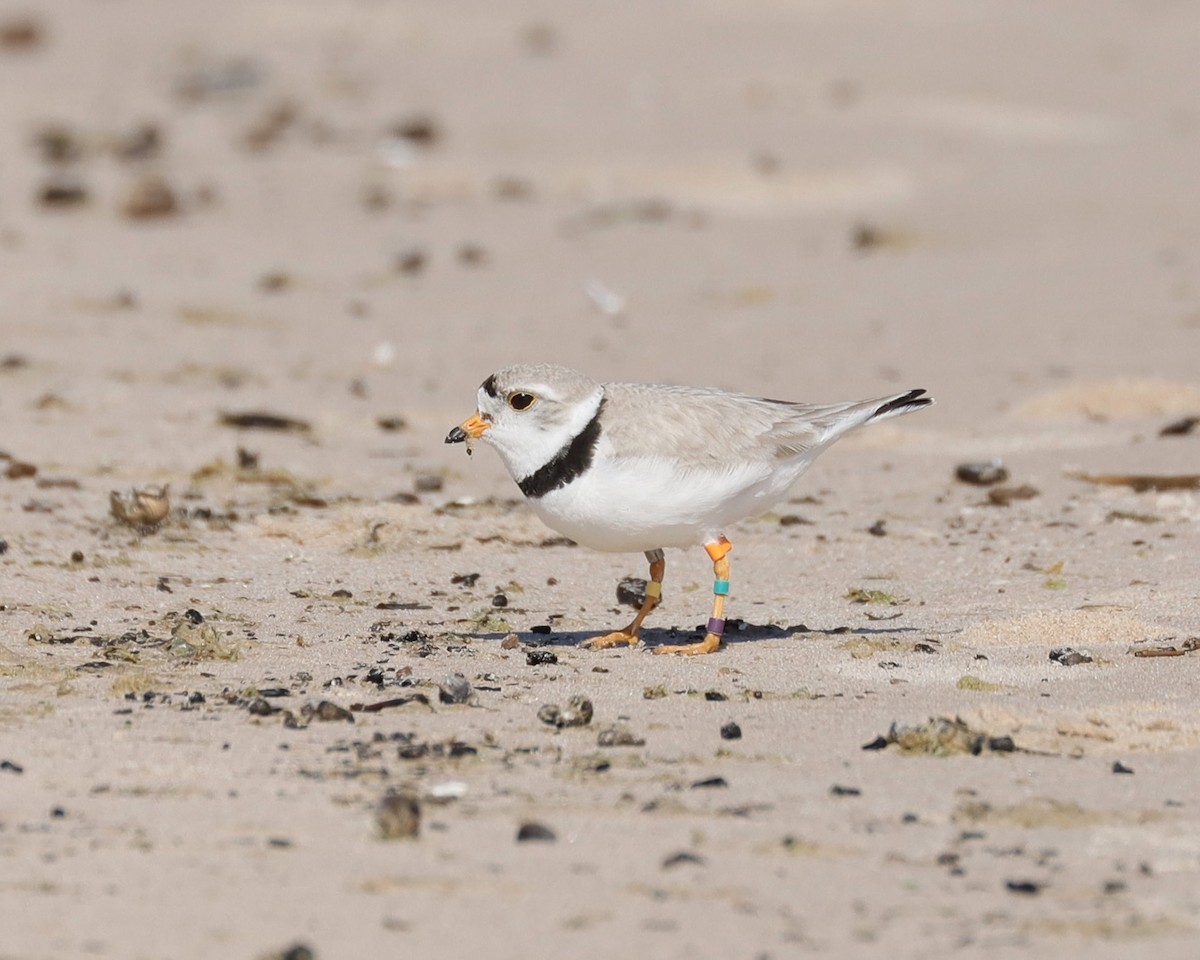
(710, 644)
(615, 639)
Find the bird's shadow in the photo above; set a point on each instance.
(736, 631)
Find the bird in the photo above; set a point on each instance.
(626, 467)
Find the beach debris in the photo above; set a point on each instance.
(9, 766)
(631, 592)
(1026, 887)
(878, 528)
(682, 857)
(391, 424)
(941, 737)
(608, 302)
(982, 474)
(21, 32)
(710, 783)
(618, 737)
(795, 520)
(61, 191)
(532, 831)
(270, 127)
(1140, 482)
(471, 255)
(200, 641)
(837, 790)
(1003, 496)
(448, 790)
(731, 731)
(398, 816)
(20, 470)
(260, 420)
(144, 509)
(1180, 428)
(1070, 657)
(392, 702)
(861, 595)
(1119, 767)
(454, 689)
(1160, 651)
(577, 713)
(150, 198)
(541, 658)
(969, 681)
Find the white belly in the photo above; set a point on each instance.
(645, 503)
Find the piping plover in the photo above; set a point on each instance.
(632, 466)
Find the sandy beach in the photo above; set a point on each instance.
(279, 669)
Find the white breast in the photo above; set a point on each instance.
(647, 502)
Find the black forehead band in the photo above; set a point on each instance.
(489, 386)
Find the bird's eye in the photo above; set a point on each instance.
(521, 401)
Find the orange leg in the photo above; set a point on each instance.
(629, 636)
(719, 551)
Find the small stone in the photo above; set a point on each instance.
(710, 783)
(454, 689)
(398, 816)
(500, 600)
(1069, 657)
(61, 191)
(1003, 496)
(1026, 887)
(982, 474)
(549, 713)
(539, 658)
(150, 198)
(328, 710)
(731, 731)
(510, 642)
(1001, 744)
(631, 592)
(714, 696)
(578, 712)
(680, 858)
(877, 529)
(536, 832)
(1119, 767)
(618, 737)
(193, 616)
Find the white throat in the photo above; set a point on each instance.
(531, 445)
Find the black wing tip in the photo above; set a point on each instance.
(906, 402)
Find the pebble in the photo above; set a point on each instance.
(731, 731)
(538, 658)
(454, 689)
(577, 713)
(533, 831)
(1069, 657)
(617, 737)
(1119, 767)
(982, 474)
(398, 816)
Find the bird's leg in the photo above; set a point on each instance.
(629, 636)
(719, 551)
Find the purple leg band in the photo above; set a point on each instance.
(716, 625)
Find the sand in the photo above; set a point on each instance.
(347, 215)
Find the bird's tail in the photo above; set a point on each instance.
(900, 404)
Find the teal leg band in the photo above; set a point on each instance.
(721, 587)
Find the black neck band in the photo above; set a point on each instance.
(567, 464)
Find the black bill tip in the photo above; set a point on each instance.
(457, 435)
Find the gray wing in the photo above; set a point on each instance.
(704, 427)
